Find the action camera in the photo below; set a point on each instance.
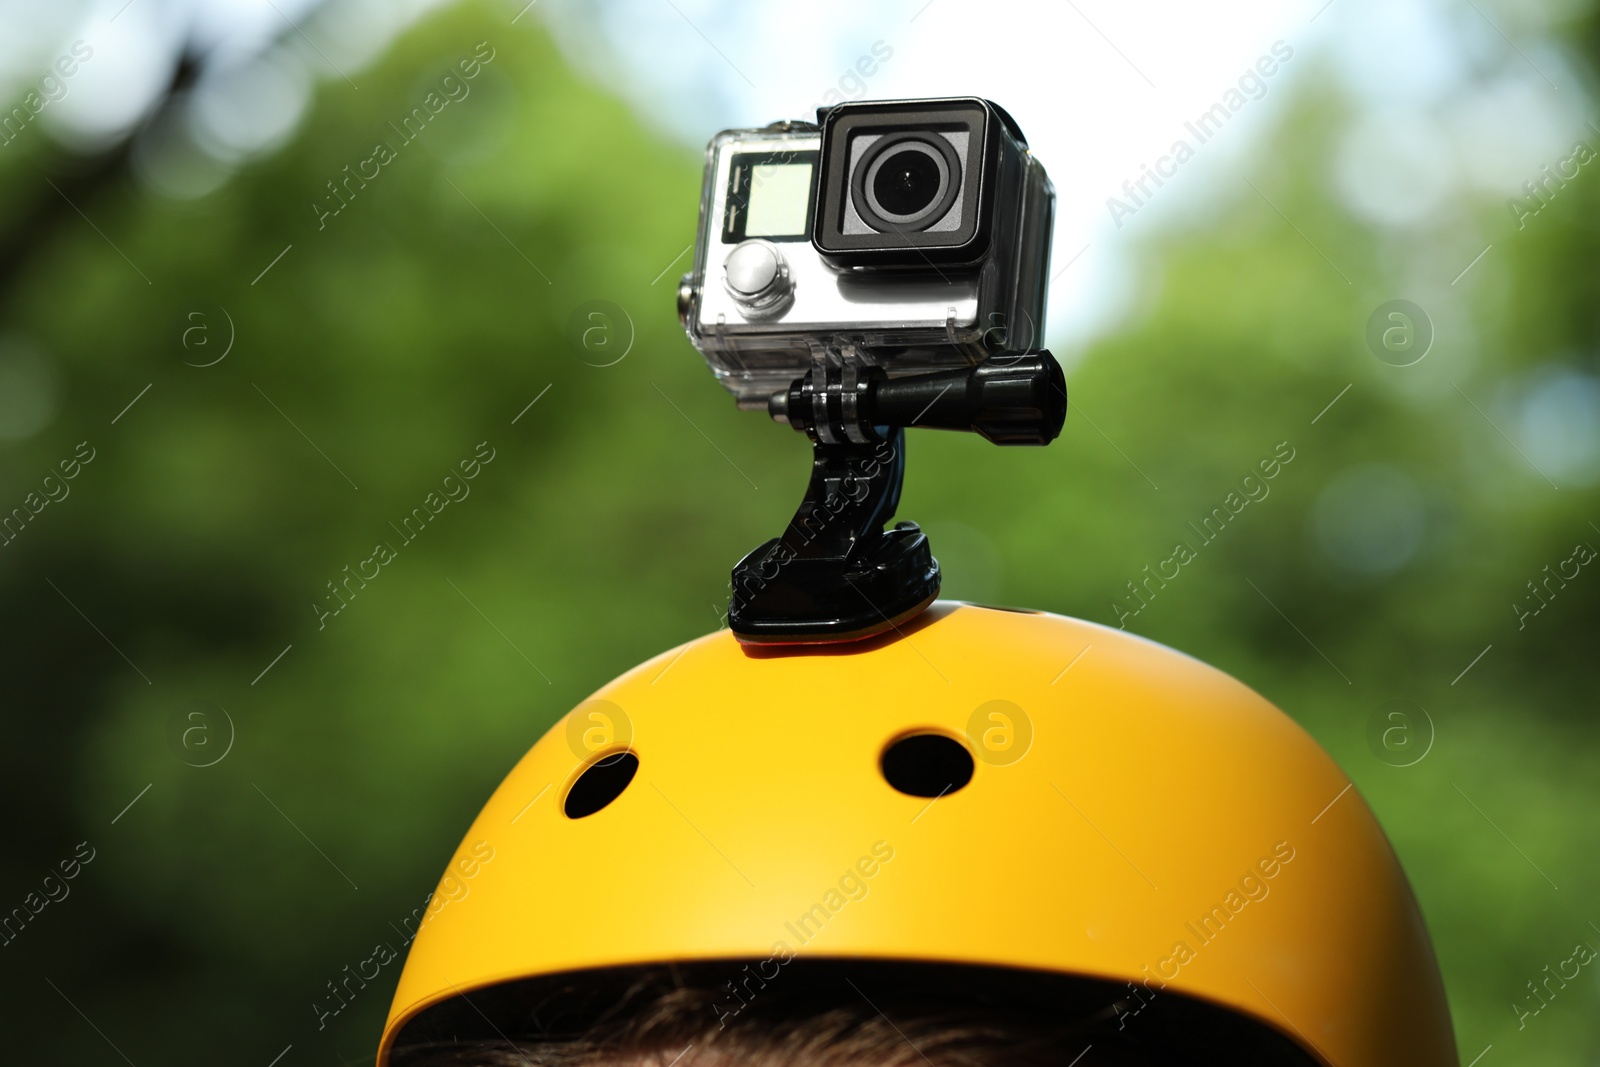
(916, 233)
(882, 268)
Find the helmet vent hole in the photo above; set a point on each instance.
(600, 784)
(927, 765)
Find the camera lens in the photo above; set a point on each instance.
(906, 183)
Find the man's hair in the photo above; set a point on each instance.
(830, 1012)
(680, 1028)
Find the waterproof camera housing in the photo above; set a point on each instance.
(915, 234)
(882, 268)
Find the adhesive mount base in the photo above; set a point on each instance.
(791, 600)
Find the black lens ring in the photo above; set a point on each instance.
(952, 189)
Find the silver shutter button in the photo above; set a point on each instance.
(756, 275)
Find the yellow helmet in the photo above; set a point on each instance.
(985, 787)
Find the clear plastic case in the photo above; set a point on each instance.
(760, 198)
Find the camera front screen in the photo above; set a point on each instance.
(770, 195)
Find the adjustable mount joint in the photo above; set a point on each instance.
(836, 574)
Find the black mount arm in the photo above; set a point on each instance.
(836, 574)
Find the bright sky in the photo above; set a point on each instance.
(1099, 88)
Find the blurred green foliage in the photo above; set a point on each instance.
(426, 315)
